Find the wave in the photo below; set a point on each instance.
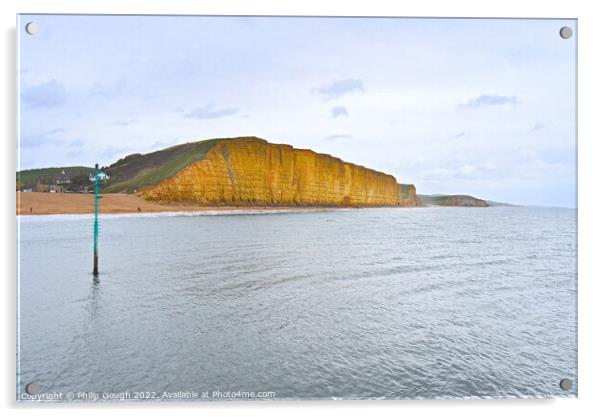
(107, 216)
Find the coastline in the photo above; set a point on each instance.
(36, 203)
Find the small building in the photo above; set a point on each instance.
(55, 188)
(101, 176)
(63, 178)
(49, 188)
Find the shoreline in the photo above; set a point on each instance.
(40, 204)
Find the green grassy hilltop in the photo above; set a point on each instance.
(134, 171)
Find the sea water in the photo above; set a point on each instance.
(359, 303)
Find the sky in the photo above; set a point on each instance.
(484, 107)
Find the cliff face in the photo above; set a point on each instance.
(251, 171)
(452, 201)
(465, 201)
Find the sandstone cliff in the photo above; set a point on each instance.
(453, 201)
(253, 172)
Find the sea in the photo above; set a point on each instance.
(383, 303)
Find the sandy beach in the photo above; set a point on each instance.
(33, 203)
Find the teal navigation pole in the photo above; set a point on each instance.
(96, 198)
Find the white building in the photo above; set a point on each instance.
(101, 176)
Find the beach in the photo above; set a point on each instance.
(35, 203)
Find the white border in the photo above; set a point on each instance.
(590, 68)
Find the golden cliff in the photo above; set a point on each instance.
(253, 172)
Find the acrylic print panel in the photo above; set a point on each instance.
(265, 208)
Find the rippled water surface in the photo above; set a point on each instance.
(387, 303)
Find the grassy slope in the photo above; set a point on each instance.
(29, 177)
(136, 171)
